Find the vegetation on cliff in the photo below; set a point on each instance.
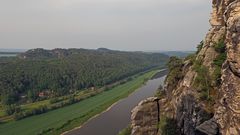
(199, 47)
(205, 81)
(206, 100)
(160, 93)
(220, 48)
(202, 81)
(126, 131)
(168, 126)
(175, 65)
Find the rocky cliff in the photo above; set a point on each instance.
(201, 93)
(148, 108)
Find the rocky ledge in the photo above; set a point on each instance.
(145, 117)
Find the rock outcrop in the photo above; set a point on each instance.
(145, 117)
(209, 127)
(215, 108)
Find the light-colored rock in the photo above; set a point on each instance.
(227, 112)
(145, 117)
(225, 22)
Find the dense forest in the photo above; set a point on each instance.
(57, 72)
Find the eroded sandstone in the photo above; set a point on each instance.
(182, 102)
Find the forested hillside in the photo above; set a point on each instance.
(57, 72)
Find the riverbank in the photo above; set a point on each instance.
(117, 117)
(73, 115)
(158, 74)
(29, 109)
(67, 132)
(104, 108)
(9, 54)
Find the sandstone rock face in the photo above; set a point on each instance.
(145, 117)
(225, 23)
(189, 115)
(209, 127)
(228, 108)
(183, 104)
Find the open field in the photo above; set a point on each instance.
(51, 102)
(66, 118)
(30, 106)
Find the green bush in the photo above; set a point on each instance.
(36, 111)
(217, 75)
(123, 82)
(55, 100)
(160, 93)
(218, 61)
(126, 131)
(191, 58)
(204, 95)
(202, 81)
(11, 109)
(220, 46)
(18, 116)
(199, 47)
(175, 65)
(174, 62)
(168, 126)
(45, 131)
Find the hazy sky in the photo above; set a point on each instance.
(114, 24)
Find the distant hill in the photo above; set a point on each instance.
(103, 49)
(180, 54)
(60, 71)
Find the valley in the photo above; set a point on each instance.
(53, 91)
(66, 118)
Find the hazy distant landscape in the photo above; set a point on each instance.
(10, 52)
(15, 52)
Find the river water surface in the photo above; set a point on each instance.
(8, 55)
(118, 116)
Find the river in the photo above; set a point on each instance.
(8, 55)
(118, 116)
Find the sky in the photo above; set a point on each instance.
(132, 25)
